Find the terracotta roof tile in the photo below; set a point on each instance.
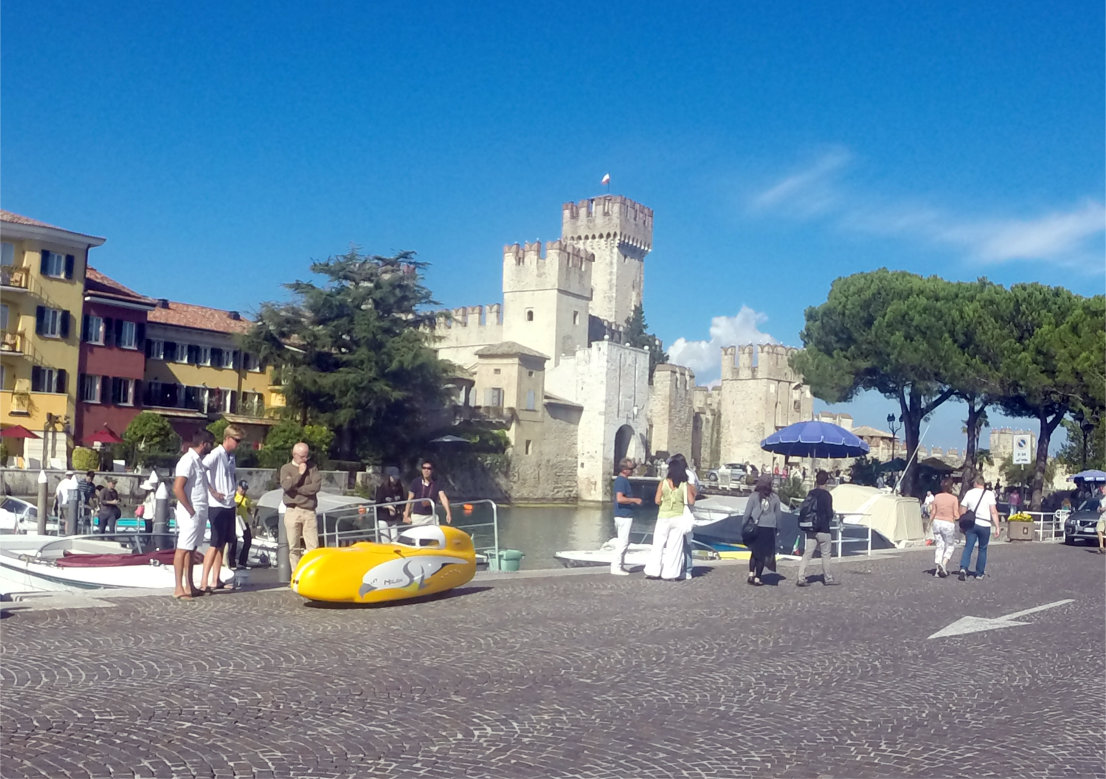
(19, 219)
(99, 284)
(170, 312)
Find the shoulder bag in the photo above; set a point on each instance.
(687, 520)
(967, 519)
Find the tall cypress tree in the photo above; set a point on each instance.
(636, 333)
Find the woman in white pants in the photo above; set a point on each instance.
(944, 512)
(666, 557)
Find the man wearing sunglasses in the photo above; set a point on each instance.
(424, 492)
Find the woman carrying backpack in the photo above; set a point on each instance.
(763, 509)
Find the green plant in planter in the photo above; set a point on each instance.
(85, 459)
(1019, 517)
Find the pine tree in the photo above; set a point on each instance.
(636, 333)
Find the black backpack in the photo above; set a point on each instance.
(808, 512)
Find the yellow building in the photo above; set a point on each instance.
(196, 373)
(42, 272)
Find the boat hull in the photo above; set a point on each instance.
(427, 560)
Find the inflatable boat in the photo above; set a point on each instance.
(426, 559)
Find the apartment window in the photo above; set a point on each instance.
(162, 394)
(155, 349)
(198, 355)
(47, 380)
(4, 317)
(51, 323)
(7, 253)
(529, 400)
(122, 392)
(252, 404)
(91, 387)
(493, 396)
(93, 330)
(58, 266)
(251, 362)
(126, 334)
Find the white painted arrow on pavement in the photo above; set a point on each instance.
(977, 624)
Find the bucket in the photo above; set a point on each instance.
(509, 560)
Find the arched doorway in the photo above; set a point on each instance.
(622, 439)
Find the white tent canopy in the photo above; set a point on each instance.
(327, 501)
(894, 517)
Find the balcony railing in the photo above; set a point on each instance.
(13, 278)
(11, 342)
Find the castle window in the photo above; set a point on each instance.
(496, 371)
(529, 374)
(529, 400)
(529, 315)
(575, 317)
(529, 446)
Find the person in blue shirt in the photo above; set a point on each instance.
(624, 504)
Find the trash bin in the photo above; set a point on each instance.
(509, 559)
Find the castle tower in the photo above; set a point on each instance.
(619, 232)
(545, 298)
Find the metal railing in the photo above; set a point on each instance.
(365, 522)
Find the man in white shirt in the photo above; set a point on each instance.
(221, 476)
(68, 484)
(982, 502)
(190, 487)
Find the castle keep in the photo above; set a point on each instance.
(550, 366)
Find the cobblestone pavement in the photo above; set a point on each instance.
(577, 676)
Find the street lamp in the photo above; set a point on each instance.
(1087, 427)
(896, 426)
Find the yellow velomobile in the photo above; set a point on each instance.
(426, 559)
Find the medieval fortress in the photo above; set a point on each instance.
(549, 365)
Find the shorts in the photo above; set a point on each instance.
(423, 519)
(1100, 526)
(222, 526)
(190, 530)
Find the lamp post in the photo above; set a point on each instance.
(896, 426)
(1087, 427)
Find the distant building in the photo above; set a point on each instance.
(42, 275)
(112, 356)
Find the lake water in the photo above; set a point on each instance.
(540, 531)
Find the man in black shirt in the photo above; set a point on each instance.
(819, 535)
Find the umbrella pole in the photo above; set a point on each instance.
(913, 455)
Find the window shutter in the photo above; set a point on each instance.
(108, 331)
(43, 261)
(217, 357)
(118, 330)
(36, 378)
(70, 261)
(138, 392)
(170, 351)
(64, 324)
(193, 354)
(62, 376)
(140, 334)
(105, 389)
(149, 349)
(40, 319)
(84, 328)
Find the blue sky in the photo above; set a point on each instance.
(220, 147)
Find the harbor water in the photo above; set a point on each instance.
(541, 531)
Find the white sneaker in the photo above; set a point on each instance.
(687, 575)
(619, 572)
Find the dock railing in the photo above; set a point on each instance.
(365, 522)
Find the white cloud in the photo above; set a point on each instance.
(1063, 235)
(808, 192)
(705, 357)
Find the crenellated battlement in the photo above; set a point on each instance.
(470, 316)
(609, 218)
(759, 361)
(562, 266)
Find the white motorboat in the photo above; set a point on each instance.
(39, 563)
(636, 555)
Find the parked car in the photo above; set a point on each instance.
(736, 473)
(1080, 524)
(17, 515)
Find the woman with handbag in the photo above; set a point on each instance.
(761, 518)
(666, 557)
(944, 511)
(976, 524)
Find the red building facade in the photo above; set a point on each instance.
(112, 359)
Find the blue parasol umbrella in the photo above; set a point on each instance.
(1091, 475)
(814, 439)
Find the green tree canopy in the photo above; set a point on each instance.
(149, 437)
(355, 354)
(637, 334)
(277, 449)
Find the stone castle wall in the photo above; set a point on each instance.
(672, 410)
